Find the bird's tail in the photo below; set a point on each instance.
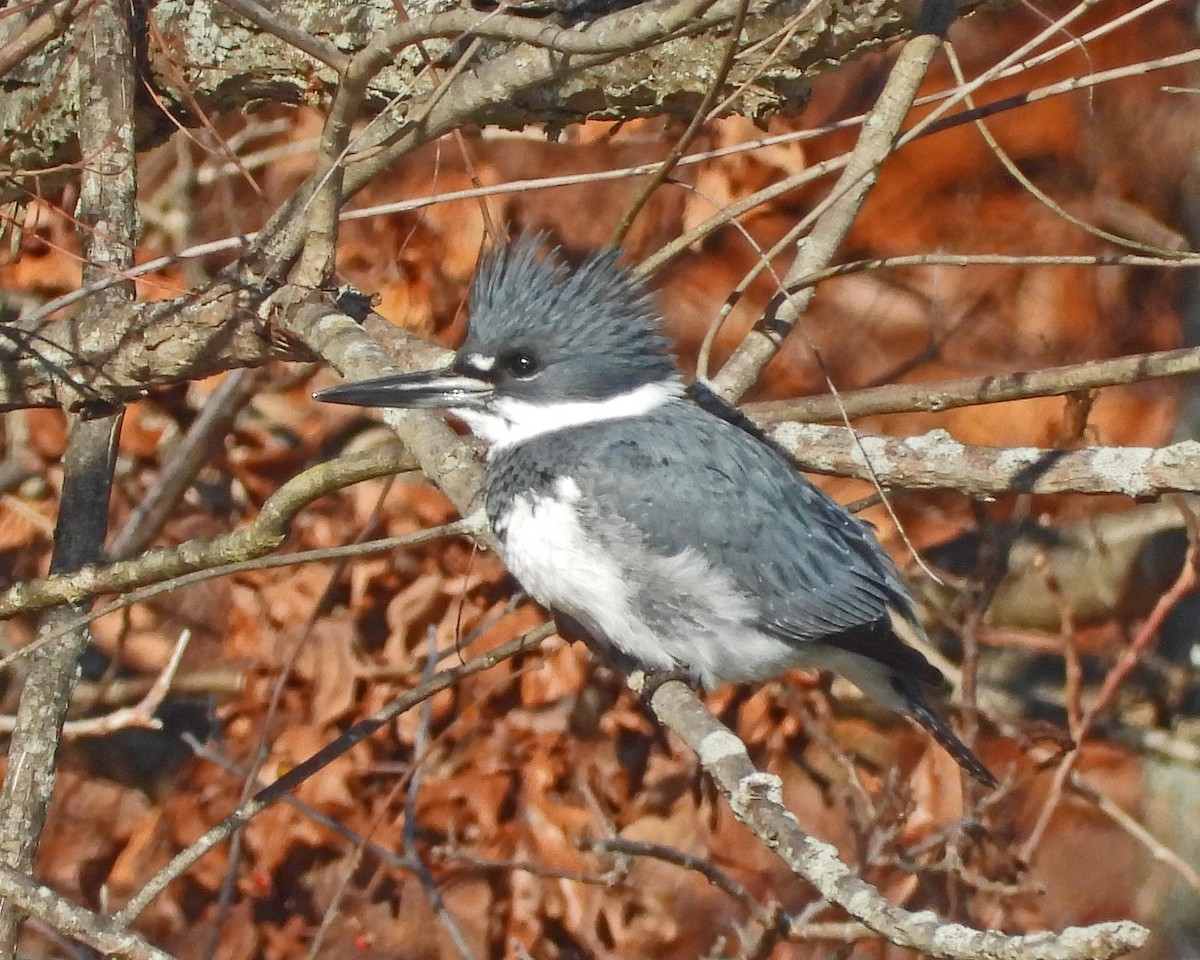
(919, 709)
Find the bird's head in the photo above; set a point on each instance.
(547, 347)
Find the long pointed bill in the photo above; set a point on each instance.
(426, 389)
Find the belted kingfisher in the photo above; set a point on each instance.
(652, 519)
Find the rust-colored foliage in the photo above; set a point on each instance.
(499, 786)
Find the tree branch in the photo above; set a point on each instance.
(114, 355)
(940, 395)
(229, 62)
(839, 210)
(756, 799)
(269, 531)
(107, 215)
(108, 936)
(936, 460)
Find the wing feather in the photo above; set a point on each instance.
(815, 571)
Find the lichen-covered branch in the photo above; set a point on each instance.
(105, 935)
(227, 61)
(936, 460)
(105, 358)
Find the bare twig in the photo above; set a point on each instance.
(467, 527)
(192, 451)
(1038, 193)
(332, 824)
(685, 140)
(1147, 635)
(940, 395)
(121, 691)
(875, 143)
(835, 215)
(141, 714)
(423, 873)
(620, 846)
(1155, 847)
(269, 530)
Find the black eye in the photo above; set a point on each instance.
(521, 364)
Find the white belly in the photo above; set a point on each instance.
(547, 549)
(665, 613)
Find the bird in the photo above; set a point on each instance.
(652, 519)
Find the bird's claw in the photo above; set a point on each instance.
(653, 679)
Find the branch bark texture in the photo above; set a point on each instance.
(936, 460)
(110, 356)
(204, 55)
(107, 215)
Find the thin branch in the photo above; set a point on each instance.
(268, 531)
(1014, 170)
(1187, 581)
(697, 234)
(875, 144)
(141, 714)
(961, 92)
(466, 527)
(356, 840)
(195, 447)
(623, 847)
(1070, 85)
(939, 395)
(121, 691)
(424, 875)
(1155, 847)
(702, 115)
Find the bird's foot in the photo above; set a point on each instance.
(653, 679)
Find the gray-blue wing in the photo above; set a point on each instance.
(816, 573)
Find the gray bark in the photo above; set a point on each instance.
(201, 56)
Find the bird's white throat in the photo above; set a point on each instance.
(507, 421)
